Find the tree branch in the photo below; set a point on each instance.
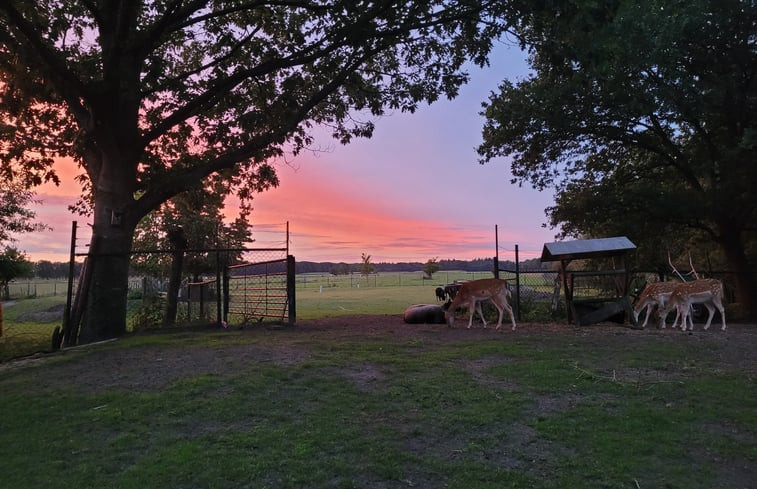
(183, 179)
(67, 83)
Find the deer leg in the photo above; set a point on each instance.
(687, 314)
(480, 313)
(680, 313)
(717, 302)
(675, 321)
(648, 308)
(722, 316)
(473, 306)
(501, 312)
(512, 316)
(711, 311)
(663, 313)
(471, 310)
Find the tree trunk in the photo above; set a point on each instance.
(746, 284)
(179, 243)
(105, 314)
(112, 237)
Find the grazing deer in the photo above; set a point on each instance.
(707, 291)
(654, 294)
(472, 293)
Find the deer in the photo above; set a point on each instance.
(707, 291)
(654, 294)
(472, 293)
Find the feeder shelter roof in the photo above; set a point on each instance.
(586, 248)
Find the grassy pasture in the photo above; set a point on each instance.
(340, 301)
(544, 407)
(25, 330)
(20, 289)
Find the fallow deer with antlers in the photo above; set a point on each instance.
(706, 291)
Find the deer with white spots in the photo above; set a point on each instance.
(472, 293)
(654, 294)
(707, 291)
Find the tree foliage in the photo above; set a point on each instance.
(157, 98)
(366, 267)
(15, 215)
(431, 267)
(643, 116)
(13, 264)
(199, 217)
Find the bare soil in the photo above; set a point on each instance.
(149, 369)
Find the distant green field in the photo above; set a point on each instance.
(396, 279)
(22, 289)
(340, 301)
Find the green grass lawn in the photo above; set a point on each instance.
(22, 334)
(293, 409)
(340, 301)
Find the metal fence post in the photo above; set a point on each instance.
(291, 289)
(517, 281)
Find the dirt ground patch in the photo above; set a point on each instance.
(151, 368)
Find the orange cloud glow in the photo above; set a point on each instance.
(339, 222)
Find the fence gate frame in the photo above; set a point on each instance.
(267, 292)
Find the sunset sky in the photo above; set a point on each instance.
(414, 191)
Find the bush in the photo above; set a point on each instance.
(149, 315)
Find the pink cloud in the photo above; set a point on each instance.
(414, 191)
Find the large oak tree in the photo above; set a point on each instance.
(643, 116)
(154, 98)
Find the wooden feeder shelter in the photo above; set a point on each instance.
(592, 296)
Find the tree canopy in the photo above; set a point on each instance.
(13, 264)
(198, 217)
(15, 214)
(431, 267)
(643, 116)
(155, 98)
(366, 267)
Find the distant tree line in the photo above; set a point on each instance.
(50, 270)
(476, 265)
(45, 269)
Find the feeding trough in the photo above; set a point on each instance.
(593, 296)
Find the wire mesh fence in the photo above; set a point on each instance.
(538, 296)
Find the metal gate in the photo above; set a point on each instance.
(262, 290)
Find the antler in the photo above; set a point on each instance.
(696, 275)
(674, 268)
